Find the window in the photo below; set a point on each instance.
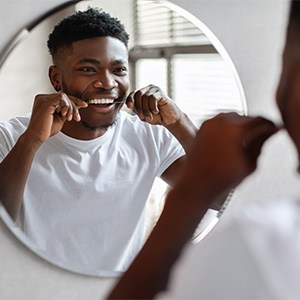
(173, 53)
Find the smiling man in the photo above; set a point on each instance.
(76, 172)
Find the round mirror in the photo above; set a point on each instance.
(168, 47)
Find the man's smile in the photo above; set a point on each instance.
(100, 101)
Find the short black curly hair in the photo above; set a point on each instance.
(90, 23)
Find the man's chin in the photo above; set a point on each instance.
(99, 119)
(102, 121)
(97, 127)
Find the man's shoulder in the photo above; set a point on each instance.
(273, 214)
(268, 225)
(16, 123)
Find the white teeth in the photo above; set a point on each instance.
(100, 101)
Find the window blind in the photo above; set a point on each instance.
(157, 25)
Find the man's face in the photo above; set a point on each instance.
(96, 71)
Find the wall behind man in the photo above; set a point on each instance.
(252, 32)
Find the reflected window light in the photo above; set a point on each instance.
(152, 71)
(203, 85)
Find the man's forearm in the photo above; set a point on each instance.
(184, 130)
(14, 170)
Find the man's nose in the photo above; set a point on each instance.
(106, 81)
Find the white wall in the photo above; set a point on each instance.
(252, 31)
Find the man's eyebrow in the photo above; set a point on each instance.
(89, 60)
(120, 62)
(97, 62)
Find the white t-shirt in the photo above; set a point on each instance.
(84, 202)
(255, 256)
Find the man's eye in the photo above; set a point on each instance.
(121, 70)
(88, 69)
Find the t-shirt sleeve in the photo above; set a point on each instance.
(5, 143)
(10, 131)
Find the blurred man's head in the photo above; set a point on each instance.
(288, 92)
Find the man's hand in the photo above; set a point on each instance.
(49, 114)
(226, 150)
(153, 106)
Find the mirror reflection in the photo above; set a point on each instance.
(86, 169)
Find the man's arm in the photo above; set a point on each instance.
(225, 151)
(15, 167)
(155, 107)
(14, 170)
(184, 131)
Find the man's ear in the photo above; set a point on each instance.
(55, 77)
